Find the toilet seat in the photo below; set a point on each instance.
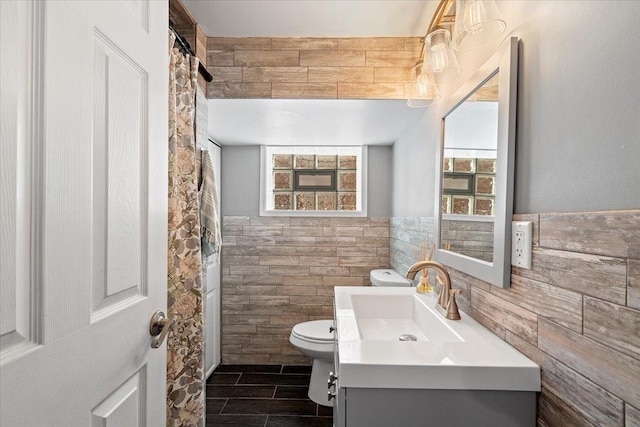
(315, 331)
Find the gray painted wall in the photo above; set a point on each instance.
(379, 160)
(413, 181)
(240, 192)
(578, 136)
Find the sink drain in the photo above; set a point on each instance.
(408, 337)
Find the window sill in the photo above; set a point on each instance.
(314, 213)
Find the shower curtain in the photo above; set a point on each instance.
(185, 378)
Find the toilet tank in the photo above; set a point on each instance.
(388, 278)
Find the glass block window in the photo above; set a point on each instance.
(468, 183)
(305, 180)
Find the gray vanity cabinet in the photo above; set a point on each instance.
(371, 407)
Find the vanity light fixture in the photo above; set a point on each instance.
(423, 89)
(478, 24)
(444, 64)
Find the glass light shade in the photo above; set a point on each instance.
(444, 63)
(422, 90)
(418, 103)
(478, 24)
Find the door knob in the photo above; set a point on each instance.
(159, 325)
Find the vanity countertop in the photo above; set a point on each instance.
(447, 354)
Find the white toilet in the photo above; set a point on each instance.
(315, 339)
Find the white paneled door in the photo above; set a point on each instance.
(83, 196)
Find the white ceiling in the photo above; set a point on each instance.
(312, 18)
(310, 122)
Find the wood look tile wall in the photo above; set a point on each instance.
(576, 313)
(313, 68)
(471, 238)
(279, 271)
(407, 234)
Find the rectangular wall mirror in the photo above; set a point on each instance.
(476, 171)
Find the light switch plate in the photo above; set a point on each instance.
(521, 243)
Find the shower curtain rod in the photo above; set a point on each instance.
(185, 47)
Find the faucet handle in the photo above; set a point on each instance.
(452, 306)
(443, 299)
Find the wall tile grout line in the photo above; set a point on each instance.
(627, 282)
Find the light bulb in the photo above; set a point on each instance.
(439, 57)
(421, 80)
(474, 15)
(423, 85)
(423, 90)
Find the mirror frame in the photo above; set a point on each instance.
(498, 272)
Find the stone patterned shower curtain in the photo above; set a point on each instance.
(185, 382)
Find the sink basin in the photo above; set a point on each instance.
(446, 354)
(387, 317)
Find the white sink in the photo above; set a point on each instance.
(387, 317)
(447, 354)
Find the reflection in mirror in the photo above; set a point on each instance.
(469, 172)
(476, 171)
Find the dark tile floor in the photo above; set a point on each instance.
(264, 396)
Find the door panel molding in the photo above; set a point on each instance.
(139, 10)
(124, 406)
(119, 170)
(21, 153)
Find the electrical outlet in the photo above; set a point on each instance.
(521, 243)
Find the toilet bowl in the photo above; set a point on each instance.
(315, 339)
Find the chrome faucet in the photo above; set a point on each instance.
(443, 299)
